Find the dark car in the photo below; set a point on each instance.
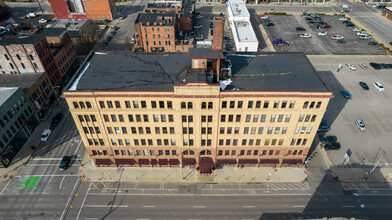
(341, 41)
(104, 44)
(56, 119)
(309, 19)
(109, 38)
(320, 21)
(323, 126)
(212, 32)
(345, 94)
(65, 162)
(390, 43)
(270, 24)
(333, 146)
(364, 85)
(112, 33)
(329, 139)
(346, 22)
(266, 20)
(115, 28)
(300, 29)
(350, 25)
(372, 43)
(311, 22)
(376, 66)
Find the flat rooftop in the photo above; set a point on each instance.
(238, 8)
(245, 31)
(161, 18)
(6, 93)
(24, 81)
(30, 39)
(155, 72)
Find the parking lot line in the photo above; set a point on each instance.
(1, 193)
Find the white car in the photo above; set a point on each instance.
(42, 21)
(360, 125)
(31, 15)
(199, 38)
(361, 33)
(363, 66)
(263, 17)
(352, 66)
(322, 33)
(365, 37)
(271, 10)
(305, 35)
(342, 19)
(45, 135)
(356, 29)
(199, 16)
(337, 37)
(378, 86)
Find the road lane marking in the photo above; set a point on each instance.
(106, 206)
(198, 206)
(69, 199)
(249, 206)
(46, 159)
(1, 193)
(149, 206)
(50, 164)
(78, 146)
(142, 219)
(247, 219)
(348, 206)
(237, 194)
(46, 175)
(298, 206)
(81, 207)
(61, 183)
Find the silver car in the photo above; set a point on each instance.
(360, 125)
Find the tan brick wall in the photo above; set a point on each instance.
(197, 95)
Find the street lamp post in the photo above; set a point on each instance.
(371, 171)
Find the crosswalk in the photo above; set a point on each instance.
(367, 186)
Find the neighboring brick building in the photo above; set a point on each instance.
(63, 51)
(28, 54)
(36, 87)
(217, 43)
(387, 12)
(174, 110)
(17, 123)
(87, 9)
(34, 54)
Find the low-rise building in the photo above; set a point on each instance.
(17, 123)
(87, 9)
(387, 12)
(36, 87)
(239, 19)
(203, 109)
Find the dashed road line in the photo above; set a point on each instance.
(106, 206)
(298, 206)
(149, 206)
(250, 206)
(348, 206)
(198, 206)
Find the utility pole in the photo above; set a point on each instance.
(40, 7)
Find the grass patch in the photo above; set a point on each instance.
(276, 13)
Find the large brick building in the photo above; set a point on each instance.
(37, 53)
(86, 9)
(201, 110)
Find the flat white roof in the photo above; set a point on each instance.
(245, 31)
(6, 93)
(238, 8)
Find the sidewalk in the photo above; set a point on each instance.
(25, 153)
(189, 175)
(380, 175)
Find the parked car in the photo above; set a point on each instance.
(350, 25)
(342, 19)
(376, 66)
(309, 19)
(115, 28)
(337, 37)
(332, 146)
(372, 43)
(42, 21)
(341, 41)
(329, 139)
(313, 25)
(361, 33)
(112, 33)
(56, 119)
(364, 85)
(366, 37)
(201, 37)
(322, 33)
(352, 66)
(363, 66)
(199, 16)
(122, 17)
(271, 10)
(323, 126)
(65, 162)
(31, 15)
(356, 29)
(45, 135)
(104, 44)
(300, 29)
(263, 17)
(306, 16)
(345, 94)
(327, 26)
(346, 22)
(270, 24)
(305, 35)
(266, 20)
(360, 125)
(197, 26)
(378, 86)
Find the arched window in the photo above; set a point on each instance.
(183, 105)
(190, 105)
(191, 152)
(82, 105)
(313, 118)
(208, 152)
(306, 104)
(318, 105)
(88, 104)
(295, 152)
(186, 152)
(75, 104)
(203, 105)
(312, 105)
(210, 105)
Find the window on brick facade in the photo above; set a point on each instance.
(250, 104)
(224, 104)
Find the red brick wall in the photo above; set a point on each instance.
(60, 8)
(98, 9)
(386, 13)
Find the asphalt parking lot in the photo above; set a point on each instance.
(285, 27)
(373, 107)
